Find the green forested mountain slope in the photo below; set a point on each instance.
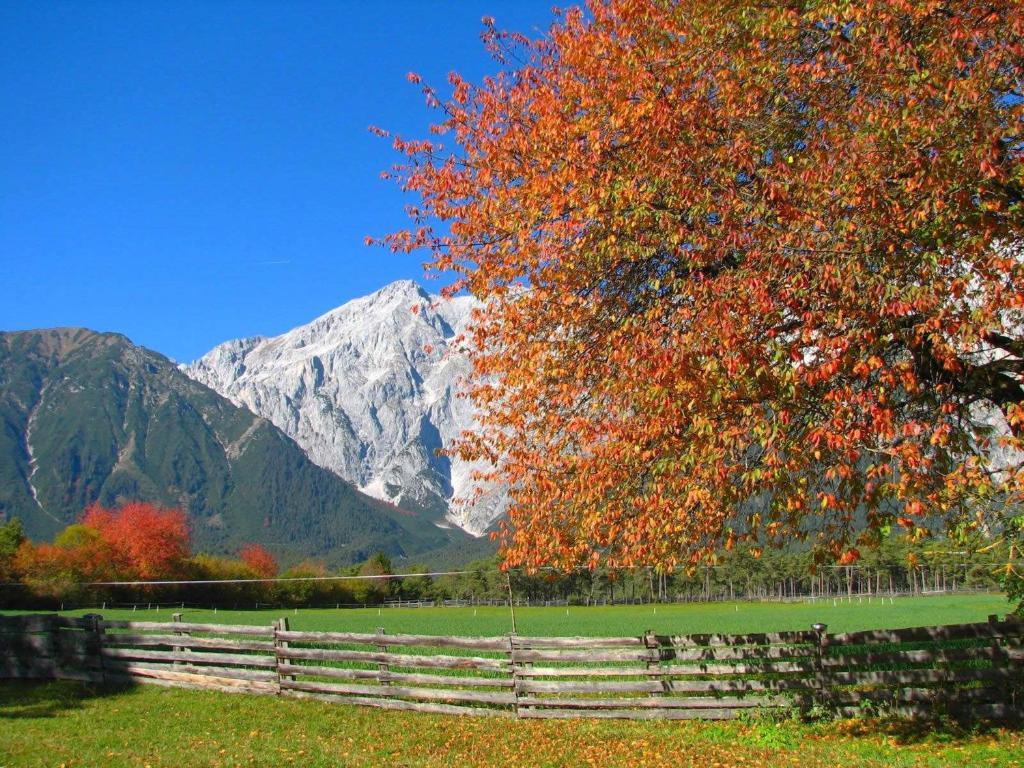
(88, 416)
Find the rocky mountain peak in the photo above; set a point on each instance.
(371, 391)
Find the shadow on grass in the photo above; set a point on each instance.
(923, 731)
(24, 699)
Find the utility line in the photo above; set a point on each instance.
(287, 579)
(290, 579)
(275, 580)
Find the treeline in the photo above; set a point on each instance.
(138, 542)
(96, 560)
(896, 566)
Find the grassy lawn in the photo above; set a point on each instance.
(70, 724)
(840, 616)
(65, 724)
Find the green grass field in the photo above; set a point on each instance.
(840, 616)
(70, 725)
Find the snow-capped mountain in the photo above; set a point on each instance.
(369, 390)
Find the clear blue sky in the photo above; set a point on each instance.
(189, 172)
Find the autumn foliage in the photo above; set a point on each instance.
(145, 542)
(259, 560)
(750, 271)
(138, 551)
(136, 541)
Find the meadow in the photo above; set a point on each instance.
(727, 617)
(72, 725)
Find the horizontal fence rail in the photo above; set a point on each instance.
(965, 669)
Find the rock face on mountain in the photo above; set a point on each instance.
(88, 416)
(370, 391)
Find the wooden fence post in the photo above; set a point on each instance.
(1002, 663)
(96, 627)
(1013, 624)
(281, 625)
(383, 671)
(176, 618)
(821, 677)
(651, 643)
(513, 670)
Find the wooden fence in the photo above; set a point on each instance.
(977, 669)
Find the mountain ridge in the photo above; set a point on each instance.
(88, 416)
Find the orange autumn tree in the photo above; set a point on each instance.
(135, 541)
(259, 560)
(145, 542)
(750, 271)
(77, 556)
